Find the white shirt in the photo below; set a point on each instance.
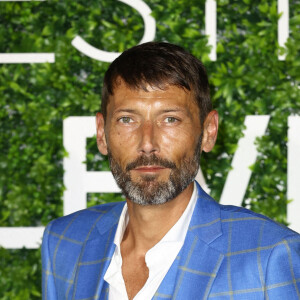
(158, 259)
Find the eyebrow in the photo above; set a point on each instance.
(172, 110)
(187, 112)
(130, 110)
(126, 110)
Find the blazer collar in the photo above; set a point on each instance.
(206, 219)
(110, 218)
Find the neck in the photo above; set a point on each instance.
(149, 224)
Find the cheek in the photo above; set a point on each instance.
(122, 146)
(178, 144)
(126, 137)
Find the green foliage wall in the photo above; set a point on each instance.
(247, 78)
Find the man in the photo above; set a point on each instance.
(170, 239)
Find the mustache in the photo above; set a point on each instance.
(150, 160)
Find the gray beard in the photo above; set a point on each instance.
(149, 191)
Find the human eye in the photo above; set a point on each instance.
(171, 120)
(125, 120)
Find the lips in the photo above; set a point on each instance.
(149, 168)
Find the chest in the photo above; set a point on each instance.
(135, 274)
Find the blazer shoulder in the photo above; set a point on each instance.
(80, 222)
(254, 223)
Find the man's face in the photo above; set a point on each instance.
(153, 142)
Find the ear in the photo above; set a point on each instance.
(210, 131)
(101, 139)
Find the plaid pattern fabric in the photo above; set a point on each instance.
(229, 253)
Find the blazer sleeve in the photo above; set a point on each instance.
(48, 281)
(283, 270)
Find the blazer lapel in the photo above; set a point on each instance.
(95, 257)
(197, 263)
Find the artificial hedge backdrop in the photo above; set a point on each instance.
(246, 79)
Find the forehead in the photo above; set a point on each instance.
(170, 95)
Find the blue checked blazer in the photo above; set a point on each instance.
(229, 253)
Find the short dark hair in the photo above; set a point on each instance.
(158, 64)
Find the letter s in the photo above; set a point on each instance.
(149, 34)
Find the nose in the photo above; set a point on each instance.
(148, 139)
